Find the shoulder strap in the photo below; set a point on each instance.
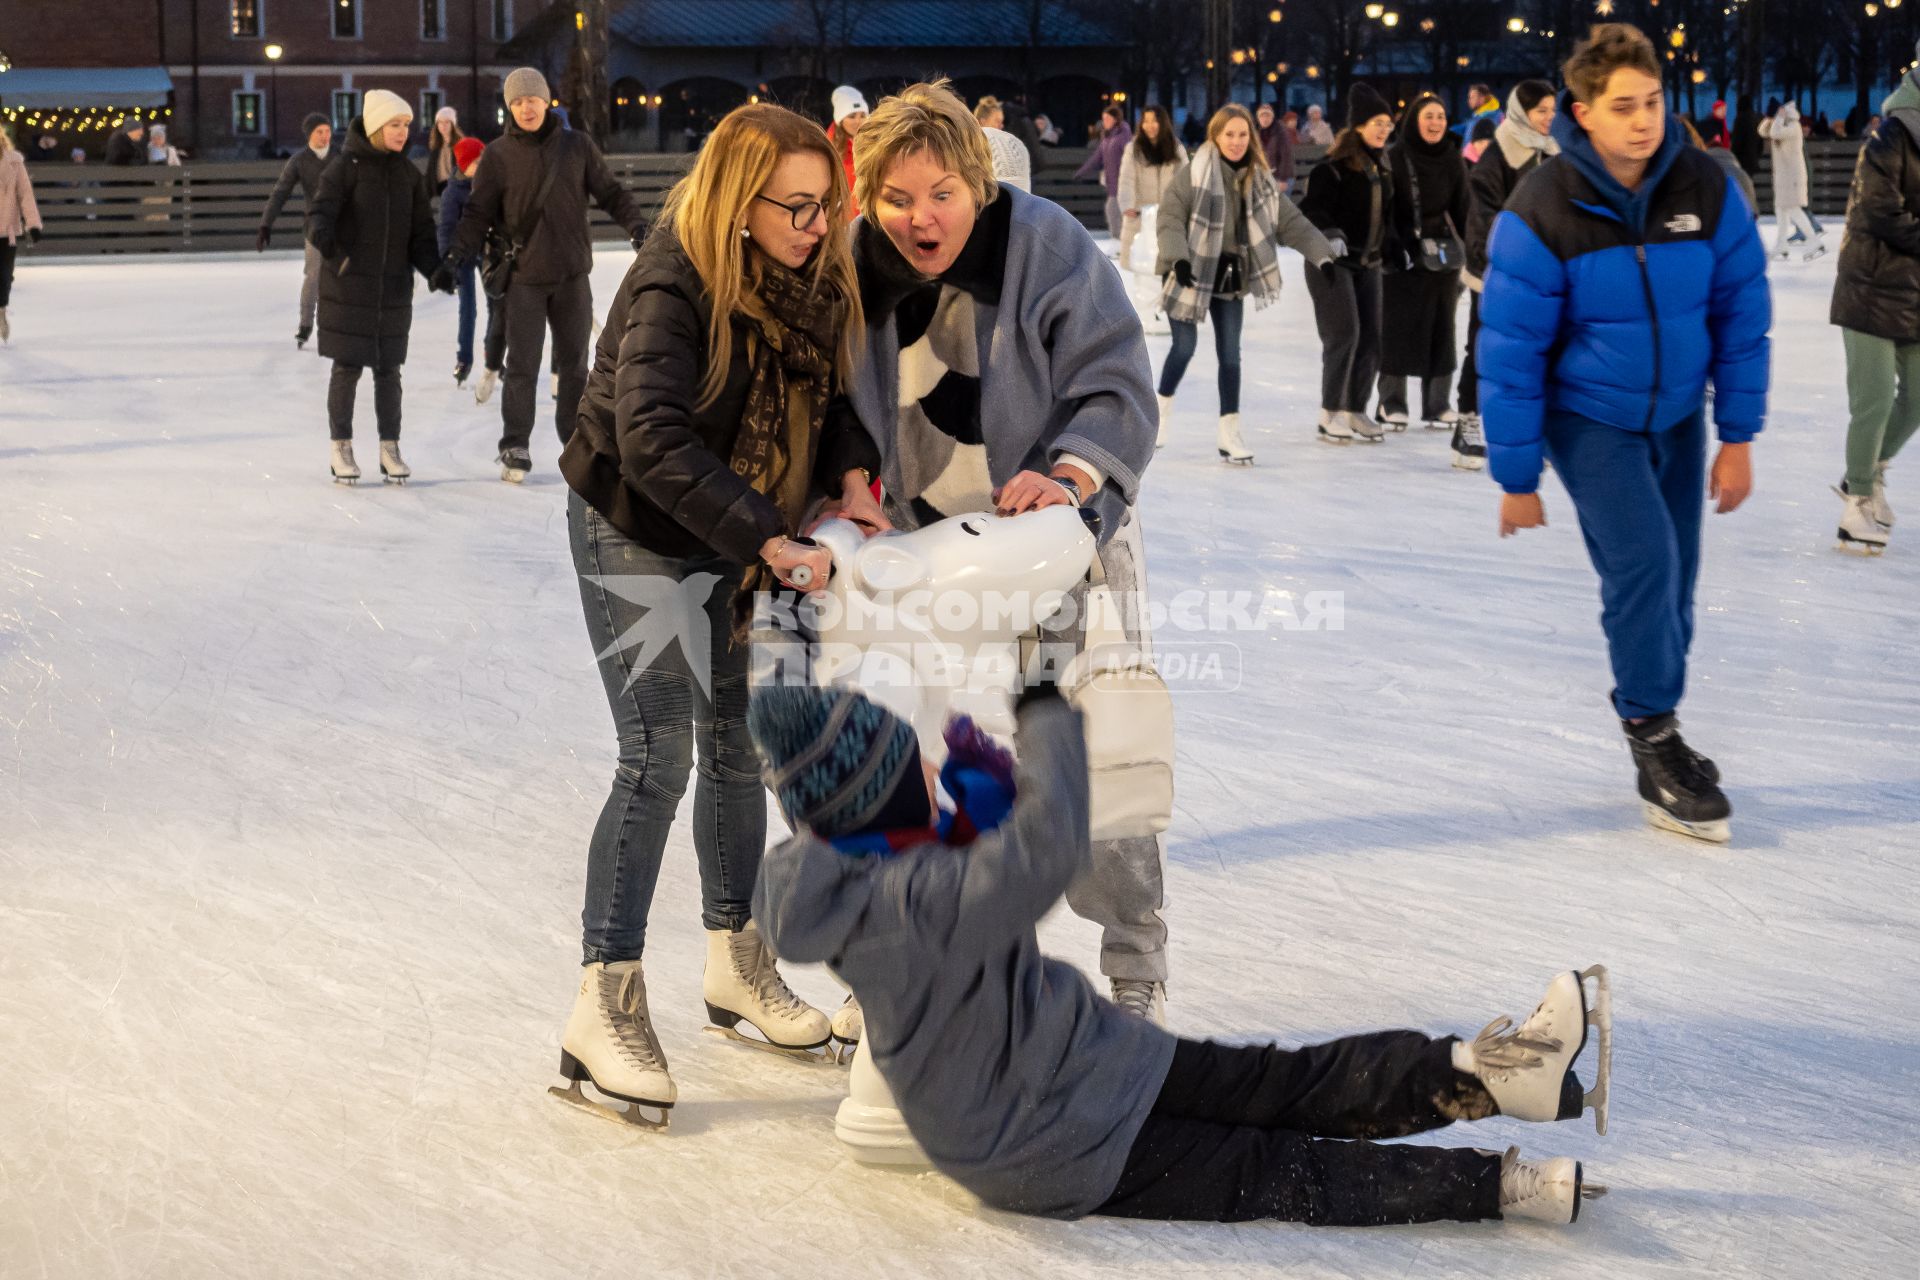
(551, 171)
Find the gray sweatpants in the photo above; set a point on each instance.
(309, 288)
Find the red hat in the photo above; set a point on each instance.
(466, 151)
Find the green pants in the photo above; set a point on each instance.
(1883, 395)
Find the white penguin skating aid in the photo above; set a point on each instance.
(1529, 1068)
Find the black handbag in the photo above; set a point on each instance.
(1229, 278)
(1437, 253)
(503, 252)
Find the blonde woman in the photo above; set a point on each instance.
(19, 216)
(990, 113)
(1220, 230)
(954, 264)
(710, 426)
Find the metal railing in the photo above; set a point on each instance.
(91, 209)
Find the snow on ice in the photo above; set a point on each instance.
(296, 783)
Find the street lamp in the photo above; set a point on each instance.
(273, 52)
(1375, 10)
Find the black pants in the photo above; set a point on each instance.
(342, 389)
(1434, 393)
(531, 308)
(1347, 309)
(494, 346)
(1242, 1132)
(1469, 376)
(8, 251)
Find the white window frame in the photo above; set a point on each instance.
(359, 19)
(501, 9)
(259, 21)
(333, 107)
(429, 110)
(259, 113)
(442, 37)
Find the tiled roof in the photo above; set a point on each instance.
(875, 24)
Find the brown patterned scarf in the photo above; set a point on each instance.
(791, 354)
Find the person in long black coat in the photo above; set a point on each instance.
(128, 143)
(1429, 208)
(1350, 199)
(373, 225)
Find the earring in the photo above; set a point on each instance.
(745, 234)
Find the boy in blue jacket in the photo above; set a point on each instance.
(1622, 275)
(1042, 1097)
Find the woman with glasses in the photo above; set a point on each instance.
(712, 426)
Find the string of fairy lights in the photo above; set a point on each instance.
(78, 120)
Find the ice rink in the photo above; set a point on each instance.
(296, 782)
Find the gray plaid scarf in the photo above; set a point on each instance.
(1207, 231)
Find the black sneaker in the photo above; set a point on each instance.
(1681, 787)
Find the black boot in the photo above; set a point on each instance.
(1680, 786)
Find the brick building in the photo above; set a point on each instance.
(227, 98)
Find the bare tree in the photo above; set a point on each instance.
(584, 86)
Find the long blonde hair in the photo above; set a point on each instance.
(1226, 116)
(708, 212)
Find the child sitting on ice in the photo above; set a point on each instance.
(1039, 1096)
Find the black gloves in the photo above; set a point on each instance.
(33, 233)
(260, 239)
(441, 281)
(1183, 272)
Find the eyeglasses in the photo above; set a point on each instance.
(802, 214)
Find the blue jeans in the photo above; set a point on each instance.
(465, 278)
(1227, 316)
(1639, 496)
(663, 709)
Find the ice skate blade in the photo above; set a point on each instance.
(818, 1054)
(399, 480)
(349, 481)
(841, 1051)
(1327, 437)
(633, 1117)
(1599, 1013)
(1859, 547)
(1719, 831)
(1232, 461)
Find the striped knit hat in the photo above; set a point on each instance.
(836, 759)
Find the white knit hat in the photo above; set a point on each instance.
(1011, 163)
(447, 113)
(380, 107)
(846, 101)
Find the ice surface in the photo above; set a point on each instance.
(296, 783)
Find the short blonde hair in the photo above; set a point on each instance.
(929, 118)
(986, 107)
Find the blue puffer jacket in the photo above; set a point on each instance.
(1618, 305)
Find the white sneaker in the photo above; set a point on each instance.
(1334, 428)
(393, 468)
(1363, 427)
(345, 469)
(609, 1042)
(1543, 1190)
(1232, 448)
(742, 984)
(483, 389)
(1141, 998)
(1166, 412)
(1469, 447)
(1860, 533)
(1529, 1069)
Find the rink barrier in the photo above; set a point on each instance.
(216, 207)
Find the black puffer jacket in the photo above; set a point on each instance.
(650, 461)
(373, 224)
(506, 187)
(1491, 180)
(123, 150)
(1877, 290)
(1356, 204)
(302, 169)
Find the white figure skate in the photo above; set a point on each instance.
(1544, 1190)
(742, 984)
(1529, 1069)
(848, 1022)
(610, 1044)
